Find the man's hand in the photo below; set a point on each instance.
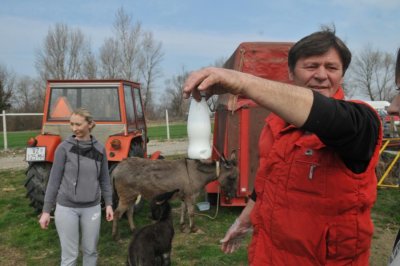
(44, 220)
(212, 81)
(233, 238)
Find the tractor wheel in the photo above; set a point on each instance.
(37, 176)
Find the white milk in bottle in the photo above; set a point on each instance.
(199, 130)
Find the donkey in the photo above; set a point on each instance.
(151, 245)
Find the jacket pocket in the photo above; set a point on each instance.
(308, 177)
(88, 190)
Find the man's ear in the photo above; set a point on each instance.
(291, 75)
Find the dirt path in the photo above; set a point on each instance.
(16, 159)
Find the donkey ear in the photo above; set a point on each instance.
(233, 157)
(222, 158)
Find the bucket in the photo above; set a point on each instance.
(203, 206)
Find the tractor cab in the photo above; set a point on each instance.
(116, 106)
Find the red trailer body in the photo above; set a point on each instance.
(238, 120)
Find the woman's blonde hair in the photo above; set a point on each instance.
(85, 114)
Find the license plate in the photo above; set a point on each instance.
(35, 154)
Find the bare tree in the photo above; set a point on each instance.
(177, 106)
(120, 55)
(7, 83)
(89, 67)
(62, 54)
(152, 55)
(371, 74)
(28, 97)
(109, 59)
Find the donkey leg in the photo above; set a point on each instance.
(130, 213)
(182, 218)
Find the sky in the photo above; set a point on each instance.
(195, 33)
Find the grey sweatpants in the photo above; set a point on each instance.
(69, 222)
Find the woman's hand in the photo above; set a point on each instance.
(109, 213)
(44, 220)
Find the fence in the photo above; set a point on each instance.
(4, 115)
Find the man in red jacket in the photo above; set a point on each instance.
(316, 182)
(394, 109)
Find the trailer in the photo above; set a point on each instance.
(239, 120)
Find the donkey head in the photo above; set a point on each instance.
(228, 175)
(160, 208)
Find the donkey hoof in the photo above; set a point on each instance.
(182, 228)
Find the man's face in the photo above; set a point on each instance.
(394, 108)
(321, 73)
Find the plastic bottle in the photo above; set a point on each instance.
(199, 130)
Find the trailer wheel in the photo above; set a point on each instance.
(37, 176)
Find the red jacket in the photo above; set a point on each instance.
(310, 208)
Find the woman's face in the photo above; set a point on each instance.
(80, 127)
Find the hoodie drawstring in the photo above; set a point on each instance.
(77, 175)
(95, 162)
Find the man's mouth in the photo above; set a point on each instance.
(318, 88)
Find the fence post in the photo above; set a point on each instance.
(5, 131)
(167, 122)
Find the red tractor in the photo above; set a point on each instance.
(116, 106)
(238, 120)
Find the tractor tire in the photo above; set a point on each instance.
(37, 176)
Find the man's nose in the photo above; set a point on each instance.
(320, 73)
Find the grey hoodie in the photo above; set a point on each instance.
(79, 172)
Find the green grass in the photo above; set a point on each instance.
(387, 207)
(159, 132)
(17, 140)
(22, 242)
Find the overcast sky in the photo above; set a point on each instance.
(194, 33)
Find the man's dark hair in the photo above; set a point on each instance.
(319, 43)
(397, 80)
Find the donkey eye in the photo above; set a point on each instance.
(227, 166)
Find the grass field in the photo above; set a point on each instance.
(17, 140)
(22, 242)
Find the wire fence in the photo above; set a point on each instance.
(4, 118)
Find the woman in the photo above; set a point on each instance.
(78, 179)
